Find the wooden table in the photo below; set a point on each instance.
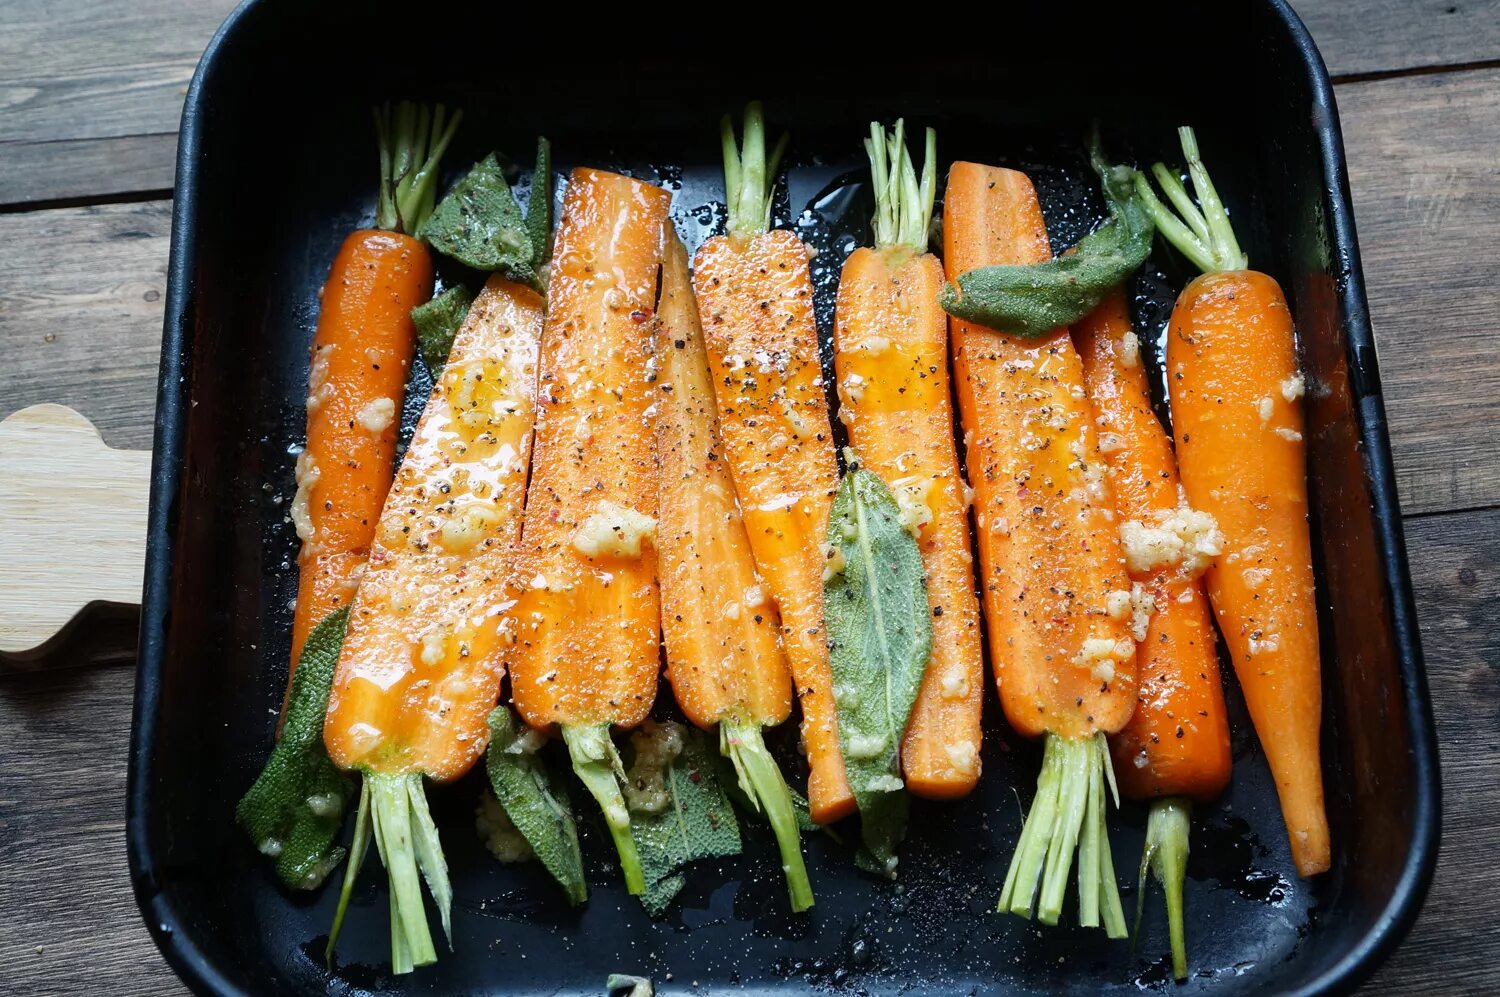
(90, 93)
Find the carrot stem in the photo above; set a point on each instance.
(1067, 816)
(358, 848)
(761, 779)
(1167, 831)
(903, 204)
(411, 140)
(749, 175)
(1207, 237)
(598, 766)
(406, 839)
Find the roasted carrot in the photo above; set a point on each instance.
(587, 647)
(890, 347)
(724, 658)
(361, 355)
(1049, 555)
(754, 292)
(1176, 747)
(420, 667)
(1237, 416)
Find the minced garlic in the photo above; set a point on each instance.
(613, 529)
(377, 415)
(657, 746)
(1182, 536)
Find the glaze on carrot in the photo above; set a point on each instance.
(420, 667)
(587, 644)
(1176, 747)
(1237, 416)
(754, 292)
(1049, 555)
(891, 351)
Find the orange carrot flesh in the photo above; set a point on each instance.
(891, 341)
(723, 656)
(1232, 369)
(1049, 550)
(755, 298)
(587, 645)
(361, 356)
(1177, 742)
(420, 670)
(1237, 416)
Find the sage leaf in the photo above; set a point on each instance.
(539, 208)
(879, 639)
(296, 806)
(534, 802)
(695, 822)
(479, 224)
(1033, 300)
(437, 322)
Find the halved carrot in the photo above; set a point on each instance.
(586, 654)
(1049, 553)
(1176, 747)
(724, 659)
(420, 667)
(890, 343)
(754, 292)
(1237, 415)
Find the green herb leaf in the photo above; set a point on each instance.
(479, 224)
(695, 823)
(539, 208)
(294, 810)
(636, 986)
(879, 638)
(524, 787)
(1033, 300)
(437, 322)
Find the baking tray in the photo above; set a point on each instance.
(276, 166)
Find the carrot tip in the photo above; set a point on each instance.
(1067, 816)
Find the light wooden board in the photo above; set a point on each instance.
(1384, 36)
(75, 523)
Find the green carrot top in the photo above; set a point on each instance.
(749, 177)
(903, 204)
(1202, 233)
(411, 138)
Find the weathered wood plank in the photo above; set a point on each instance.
(68, 921)
(1425, 171)
(1382, 36)
(1455, 563)
(81, 313)
(91, 92)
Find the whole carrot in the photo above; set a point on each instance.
(1049, 555)
(1237, 416)
(361, 354)
(890, 343)
(1176, 747)
(754, 292)
(587, 647)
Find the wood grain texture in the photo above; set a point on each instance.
(1424, 166)
(81, 307)
(91, 92)
(1455, 565)
(65, 547)
(1380, 36)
